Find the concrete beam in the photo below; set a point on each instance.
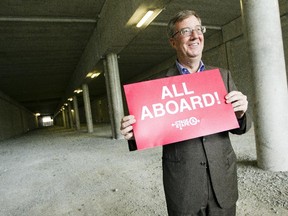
(113, 18)
(45, 19)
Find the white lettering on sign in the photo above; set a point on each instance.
(166, 92)
(185, 123)
(173, 107)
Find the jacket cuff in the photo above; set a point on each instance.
(244, 125)
(132, 145)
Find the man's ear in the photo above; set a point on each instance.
(172, 42)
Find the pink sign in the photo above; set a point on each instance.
(178, 108)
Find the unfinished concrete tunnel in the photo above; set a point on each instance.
(63, 67)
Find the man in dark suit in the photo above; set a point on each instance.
(199, 175)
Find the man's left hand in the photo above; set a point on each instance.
(239, 102)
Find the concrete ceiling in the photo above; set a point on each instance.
(48, 46)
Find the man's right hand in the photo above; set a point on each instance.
(127, 127)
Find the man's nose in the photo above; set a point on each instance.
(194, 34)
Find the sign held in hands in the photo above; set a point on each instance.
(178, 108)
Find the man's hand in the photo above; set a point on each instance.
(238, 101)
(126, 127)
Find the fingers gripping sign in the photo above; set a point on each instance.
(127, 127)
(239, 102)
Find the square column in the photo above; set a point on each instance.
(76, 112)
(70, 115)
(87, 107)
(114, 93)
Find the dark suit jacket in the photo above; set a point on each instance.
(184, 164)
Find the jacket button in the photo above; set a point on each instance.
(203, 163)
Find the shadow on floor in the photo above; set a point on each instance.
(247, 162)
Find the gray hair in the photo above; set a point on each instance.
(178, 18)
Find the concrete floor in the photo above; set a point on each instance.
(55, 171)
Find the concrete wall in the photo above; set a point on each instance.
(58, 120)
(99, 109)
(14, 118)
(228, 49)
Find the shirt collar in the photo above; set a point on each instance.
(184, 70)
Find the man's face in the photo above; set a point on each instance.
(190, 46)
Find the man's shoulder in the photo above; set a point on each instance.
(225, 73)
(222, 70)
(172, 71)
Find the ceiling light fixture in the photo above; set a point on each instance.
(78, 91)
(145, 18)
(89, 74)
(95, 75)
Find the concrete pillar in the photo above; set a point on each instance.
(113, 80)
(109, 96)
(76, 112)
(36, 121)
(64, 118)
(70, 115)
(261, 21)
(87, 107)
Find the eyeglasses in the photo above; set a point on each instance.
(188, 31)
